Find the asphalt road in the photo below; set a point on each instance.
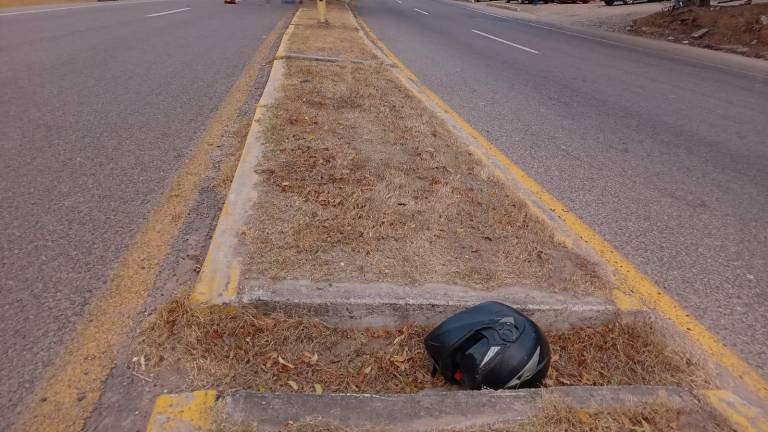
(661, 148)
(99, 105)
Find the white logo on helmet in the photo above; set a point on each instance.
(489, 355)
(527, 371)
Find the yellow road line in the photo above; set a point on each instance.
(740, 414)
(635, 286)
(183, 412)
(69, 390)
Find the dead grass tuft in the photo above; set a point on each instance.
(621, 354)
(224, 347)
(359, 181)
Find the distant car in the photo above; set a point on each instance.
(627, 2)
(553, 1)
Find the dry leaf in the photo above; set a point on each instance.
(402, 357)
(584, 417)
(293, 385)
(380, 333)
(271, 358)
(318, 389)
(308, 357)
(285, 363)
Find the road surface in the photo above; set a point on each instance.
(99, 106)
(661, 148)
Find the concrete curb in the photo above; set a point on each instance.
(426, 411)
(504, 6)
(220, 274)
(390, 305)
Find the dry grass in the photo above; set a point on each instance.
(734, 28)
(224, 347)
(359, 181)
(621, 354)
(339, 38)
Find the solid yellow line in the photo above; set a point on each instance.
(68, 392)
(745, 417)
(629, 279)
(183, 412)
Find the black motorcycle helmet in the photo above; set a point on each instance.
(491, 346)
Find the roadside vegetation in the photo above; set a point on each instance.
(223, 347)
(359, 181)
(738, 29)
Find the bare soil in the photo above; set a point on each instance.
(737, 29)
(359, 181)
(223, 348)
(594, 15)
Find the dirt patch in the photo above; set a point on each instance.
(359, 181)
(228, 165)
(594, 15)
(738, 29)
(223, 347)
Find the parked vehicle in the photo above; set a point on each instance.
(626, 2)
(552, 1)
